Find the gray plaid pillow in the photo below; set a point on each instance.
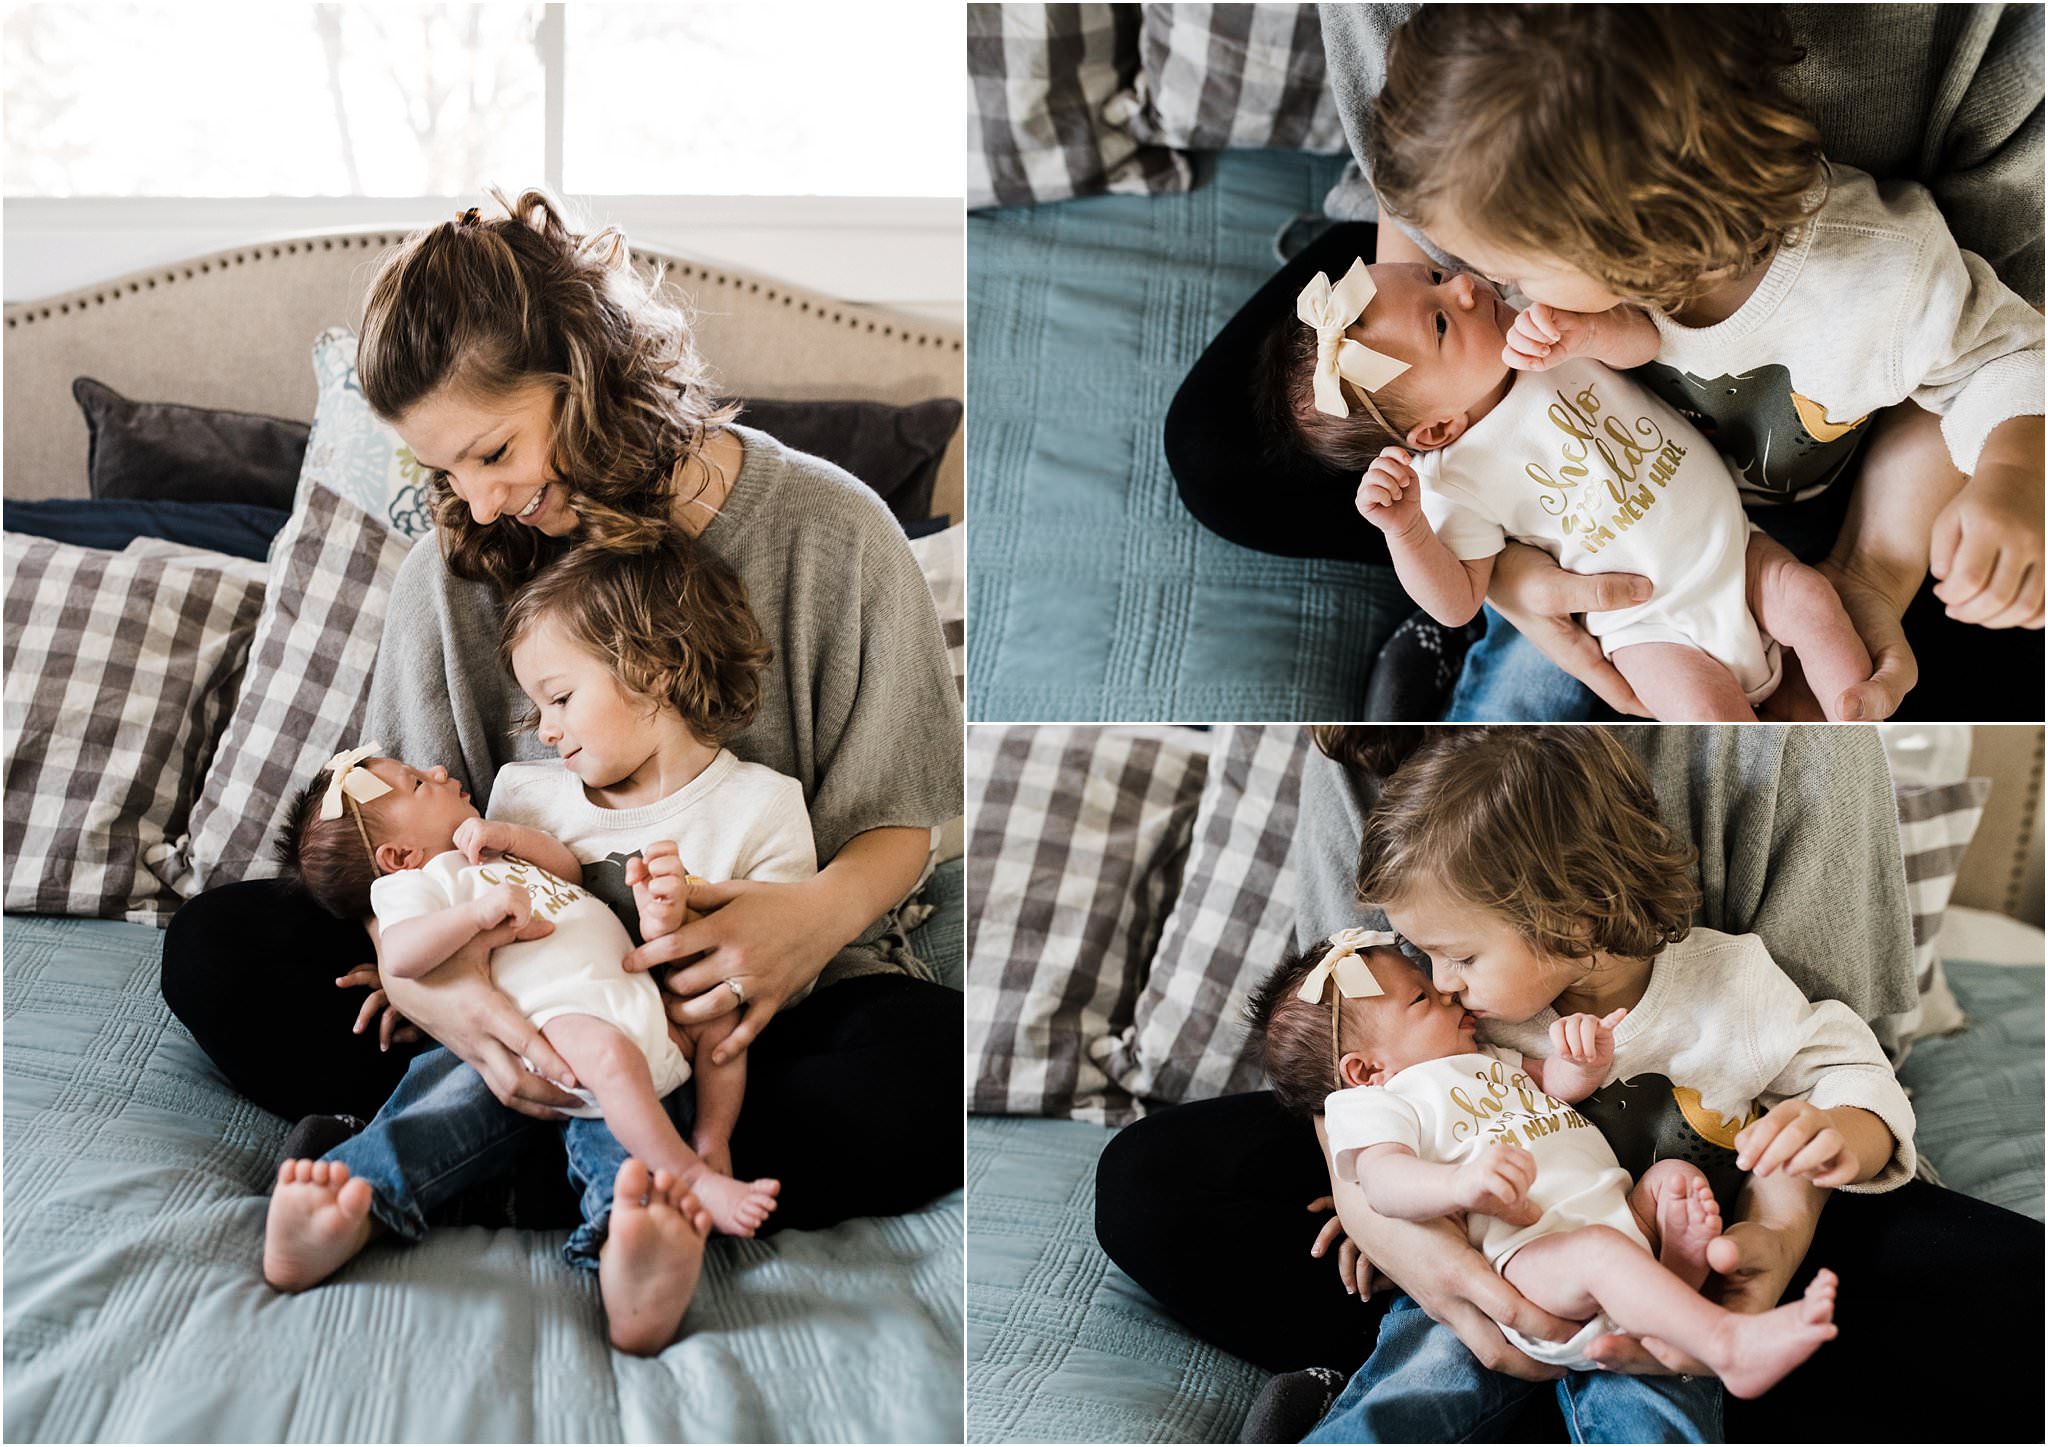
(941, 557)
(1234, 921)
(1220, 77)
(1936, 824)
(119, 668)
(1076, 836)
(309, 673)
(1045, 117)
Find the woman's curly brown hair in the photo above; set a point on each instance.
(487, 306)
(670, 619)
(1649, 146)
(1555, 828)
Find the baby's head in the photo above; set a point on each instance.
(621, 653)
(1516, 858)
(1350, 1010)
(1592, 154)
(1443, 329)
(383, 816)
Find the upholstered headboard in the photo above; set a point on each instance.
(2002, 869)
(236, 328)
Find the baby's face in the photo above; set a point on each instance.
(1412, 1021)
(1548, 279)
(422, 811)
(1449, 326)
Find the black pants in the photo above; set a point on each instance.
(1245, 482)
(853, 1097)
(1204, 1206)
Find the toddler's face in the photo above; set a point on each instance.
(1449, 327)
(1478, 955)
(603, 733)
(1547, 279)
(423, 809)
(1412, 1021)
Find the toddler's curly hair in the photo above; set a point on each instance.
(1292, 1036)
(1646, 145)
(1555, 828)
(670, 618)
(326, 857)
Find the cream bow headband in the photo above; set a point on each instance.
(1329, 310)
(1344, 963)
(348, 777)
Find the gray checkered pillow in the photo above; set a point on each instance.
(1219, 77)
(941, 558)
(1936, 824)
(331, 571)
(1233, 922)
(1048, 112)
(1076, 837)
(119, 668)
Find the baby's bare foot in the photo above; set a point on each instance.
(319, 1219)
(738, 1208)
(1762, 1349)
(1688, 1221)
(653, 1253)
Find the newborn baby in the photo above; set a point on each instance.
(1430, 1122)
(1398, 373)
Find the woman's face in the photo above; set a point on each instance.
(1478, 955)
(1547, 279)
(494, 453)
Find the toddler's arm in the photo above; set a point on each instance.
(1621, 337)
(1495, 1182)
(1841, 1146)
(661, 889)
(1583, 1047)
(479, 837)
(1986, 547)
(1447, 587)
(412, 947)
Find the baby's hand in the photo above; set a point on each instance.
(1496, 1183)
(661, 889)
(1797, 1138)
(1986, 550)
(478, 838)
(1390, 494)
(507, 904)
(1586, 1040)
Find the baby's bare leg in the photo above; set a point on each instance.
(1800, 608)
(1597, 1269)
(1676, 1211)
(1681, 684)
(614, 1070)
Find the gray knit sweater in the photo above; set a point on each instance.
(1796, 828)
(858, 704)
(1946, 95)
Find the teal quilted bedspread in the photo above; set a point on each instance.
(1094, 593)
(135, 1309)
(1063, 1347)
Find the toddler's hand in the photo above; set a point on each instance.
(1986, 550)
(478, 838)
(1496, 1183)
(1796, 1137)
(1586, 1040)
(1390, 494)
(507, 904)
(1544, 335)
(661, 889)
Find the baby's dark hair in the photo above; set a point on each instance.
(1287, 384)
(326, 857)
(1292, 1035)
(671, 619)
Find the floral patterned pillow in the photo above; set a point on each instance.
(354, 453)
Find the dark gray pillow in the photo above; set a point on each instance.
(894, 450)
(163, 451)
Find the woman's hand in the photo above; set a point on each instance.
(761, 936)
(457, 1004)
(392, 1028)
(1353, 1269)
(1532, 592)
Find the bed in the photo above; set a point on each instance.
(134, 1308)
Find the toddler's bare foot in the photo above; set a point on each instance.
(652, 1255)
(318, 1220)
(1688, 1221)
(1762, 1349)
(738, 1208)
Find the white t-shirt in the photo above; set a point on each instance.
(1593, 468)
(1721, 1019)
(577, 970)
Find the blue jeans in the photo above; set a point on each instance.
(442, 1132)
(1421, 1385)
(1506, 679)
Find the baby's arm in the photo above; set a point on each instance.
(661, 889)
(477, 838)
(1621, 337)
(412, 947)
(1495, 1182)
(1584, 1053)
(1447, 587)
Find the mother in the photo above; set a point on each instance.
(1797, 837)
(558, 398)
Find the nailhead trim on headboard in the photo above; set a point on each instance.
(103, 296)
(2022, 850)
